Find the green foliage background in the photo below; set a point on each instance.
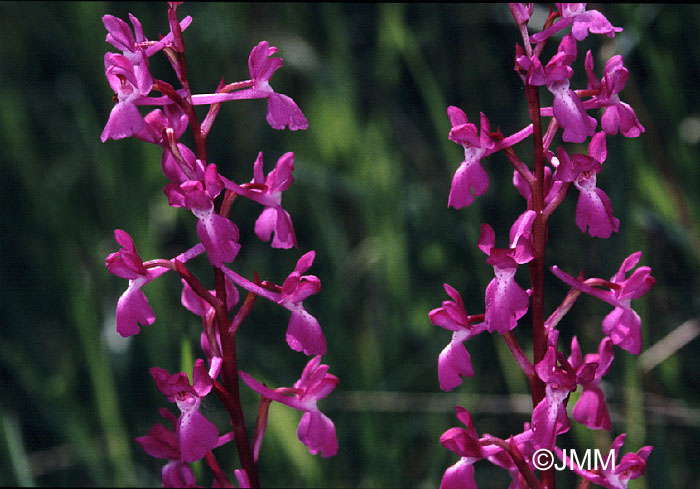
(372, 177)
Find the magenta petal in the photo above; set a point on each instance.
(178, 474)
(305, 262)
(220, 237)
(278, 220)
(265, 223)
(454, 363)
(191, 300)
(242, 478)
(284, 231)
(632, 465)
(487, 239)
(201, 382)
(283, 111)
(597, 148)
(132, 310)
(595, 22)
(317, 432)
(197, 435)
(569, 112)
(160, 442)
(280, 178)
(440, 317)
(506, 302)
(119, 33)
(464, 442)
(124, 120)
(624, 326)
(459, 476)
(265, 391)
(590, 409)
(260, 66)
(457, 116)
(549, 418)
(594, 212)
(638, 284)
(306, 286)
(469, 176)
(304, 334)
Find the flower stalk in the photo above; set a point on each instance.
(195, 184)
(552, 375)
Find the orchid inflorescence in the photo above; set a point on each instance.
(195, 184)
(552, 375)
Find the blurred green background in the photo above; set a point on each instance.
(372, 175)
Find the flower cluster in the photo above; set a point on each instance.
(194, 183)
(553, 375)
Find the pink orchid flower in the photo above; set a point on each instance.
(623, 324)
(470, 176)
(132, 307)
(267, 191)
(454, 361)
(617, 115)
(282, 111)
(196, 434)
(582, 21)
(590, 409)
(316, 430)
(218, 234)
(617, 475)
(506, 301)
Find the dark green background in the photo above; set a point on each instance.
(372, 177)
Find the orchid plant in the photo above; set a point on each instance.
(194, 183)
(553, 374)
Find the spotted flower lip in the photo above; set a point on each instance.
(505, 300)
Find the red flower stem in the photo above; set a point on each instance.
(517, 457)
(231, 399)
(585, 484)
(537, 265)
(563, 308)
(519, 355)
(220, 287)
(219, 476)
(558, 199)
(179, 44)
(243, 312)
(233, 406)
(196, 285)
(228, 341)
(519, 165)
(230, 375)
(159, 262)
